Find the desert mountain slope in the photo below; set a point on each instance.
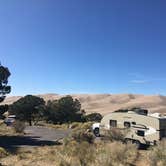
(105, 103)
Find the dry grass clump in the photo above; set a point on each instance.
(116, 154)
(157, 155)
(3, 152)
(41, 156)
(19, 126)
(75, 154)
(115, 134)
(55, 126)
(79, 125)
(6, 130)
(72, 155)
(87, 125)
(82, 153)
(105, 154)
(81, 134)
(58, 126)
(74, 125)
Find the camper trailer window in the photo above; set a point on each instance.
(133, 123)
(113, 123)
(141, 133)
(127, 124)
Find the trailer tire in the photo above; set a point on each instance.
(96, 132)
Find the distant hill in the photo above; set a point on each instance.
(105, 103)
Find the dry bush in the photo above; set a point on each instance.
(82, 136)
(3, 152)
(115, 154)
(19, 126)
(83, 153)
(6, 130)
(75, 154)
(78, 125)
(87, 125)
(115, 134)
(157, 155)
(105, 154)
(75, 125)
(57, 126)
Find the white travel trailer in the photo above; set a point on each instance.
(143, 128)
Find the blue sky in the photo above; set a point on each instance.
(84, 46)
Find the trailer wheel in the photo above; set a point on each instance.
(96, 132)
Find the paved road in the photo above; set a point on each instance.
(35, 136)
(45, 133)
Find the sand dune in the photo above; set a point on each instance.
(105, 103)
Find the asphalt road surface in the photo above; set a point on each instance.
(35, 136)
(45, 133)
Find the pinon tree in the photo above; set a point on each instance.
(28, 108)
(64, 110)
(4, 88)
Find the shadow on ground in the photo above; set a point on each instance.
(12, 143)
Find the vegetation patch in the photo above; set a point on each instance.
(157, 154)
(115, 134)
(3, 153)
(19, 126)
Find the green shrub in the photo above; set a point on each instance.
(94, 117)
(19, 126)
(64, 110)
